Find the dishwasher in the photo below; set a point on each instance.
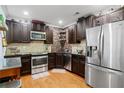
(67, 61)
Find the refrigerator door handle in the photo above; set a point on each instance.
(99, 53)
(102, 44)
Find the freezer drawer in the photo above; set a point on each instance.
(99, 77)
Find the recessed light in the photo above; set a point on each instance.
(60, 22)
(26, 13)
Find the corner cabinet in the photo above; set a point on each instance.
(49, 35)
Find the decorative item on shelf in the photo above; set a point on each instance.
(62, 38)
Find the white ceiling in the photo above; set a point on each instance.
(53, 13)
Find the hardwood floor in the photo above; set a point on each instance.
(55, 80)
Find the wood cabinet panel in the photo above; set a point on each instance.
(78, 65)
(38, 25)
(18, 32)
(49, 35)
(9, 33)
(72, 34)
(51, 60)
(26, 64)
(75, 65)
(81, 30)
(26, 28)
(59, 60)
(81, 70)
(90, 21)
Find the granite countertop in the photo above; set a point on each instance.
(78, 54)
(37, 54)
(29, 53)
(8, 63)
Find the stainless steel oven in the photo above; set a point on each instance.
(39, 64)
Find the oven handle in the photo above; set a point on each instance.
(39, 57)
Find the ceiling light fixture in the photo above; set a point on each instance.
(60, 22)
(26, 13)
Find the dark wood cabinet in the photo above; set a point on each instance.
(51, 60)
(9, 33)
(18, 32)
(77, 32)
(89, 21)
(78, 64)
(38, 25)
(49, 35)
(59, 60)
(17, 28)
(26, 28)
(26, 64)
(81, 30)
(75, 64)
(72, 34)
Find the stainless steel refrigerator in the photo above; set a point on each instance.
(105, 56)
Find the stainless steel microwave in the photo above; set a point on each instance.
(35, 35)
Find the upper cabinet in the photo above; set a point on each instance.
(9, 33)
(81, 33)
(26, 28)
(72, 34)
(77, 32)
(18, 32)
(89, 21)
(49, 35)
(38, 25)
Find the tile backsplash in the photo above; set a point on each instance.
(81, 46)
(34, 46)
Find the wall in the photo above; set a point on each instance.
(56, 47)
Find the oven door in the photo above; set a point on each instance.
(39, 61)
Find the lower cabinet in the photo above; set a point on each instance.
(78, 65)
(51, 60)
(59, 60)
(26, 64)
